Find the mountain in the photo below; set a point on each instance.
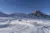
(38, 13)
(3, 14)
(35, 14)
(18, 15)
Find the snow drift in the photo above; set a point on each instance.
(27, 26)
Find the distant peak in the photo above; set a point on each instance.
(36, 12)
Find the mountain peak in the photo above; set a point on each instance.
(38, 13)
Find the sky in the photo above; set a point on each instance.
(24, 6)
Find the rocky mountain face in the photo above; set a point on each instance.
(38, 14)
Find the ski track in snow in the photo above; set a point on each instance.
(27, 26)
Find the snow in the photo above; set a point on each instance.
(26, 26)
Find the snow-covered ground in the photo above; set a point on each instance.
(26, 26)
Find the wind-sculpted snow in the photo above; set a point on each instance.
(26, 26)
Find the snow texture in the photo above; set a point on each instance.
(24, 26)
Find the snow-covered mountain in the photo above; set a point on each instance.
(3, 14)
(35, 15)
(38, 13)
(18, 15)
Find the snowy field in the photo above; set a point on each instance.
(7, 25)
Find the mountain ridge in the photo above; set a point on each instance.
(35, 14)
